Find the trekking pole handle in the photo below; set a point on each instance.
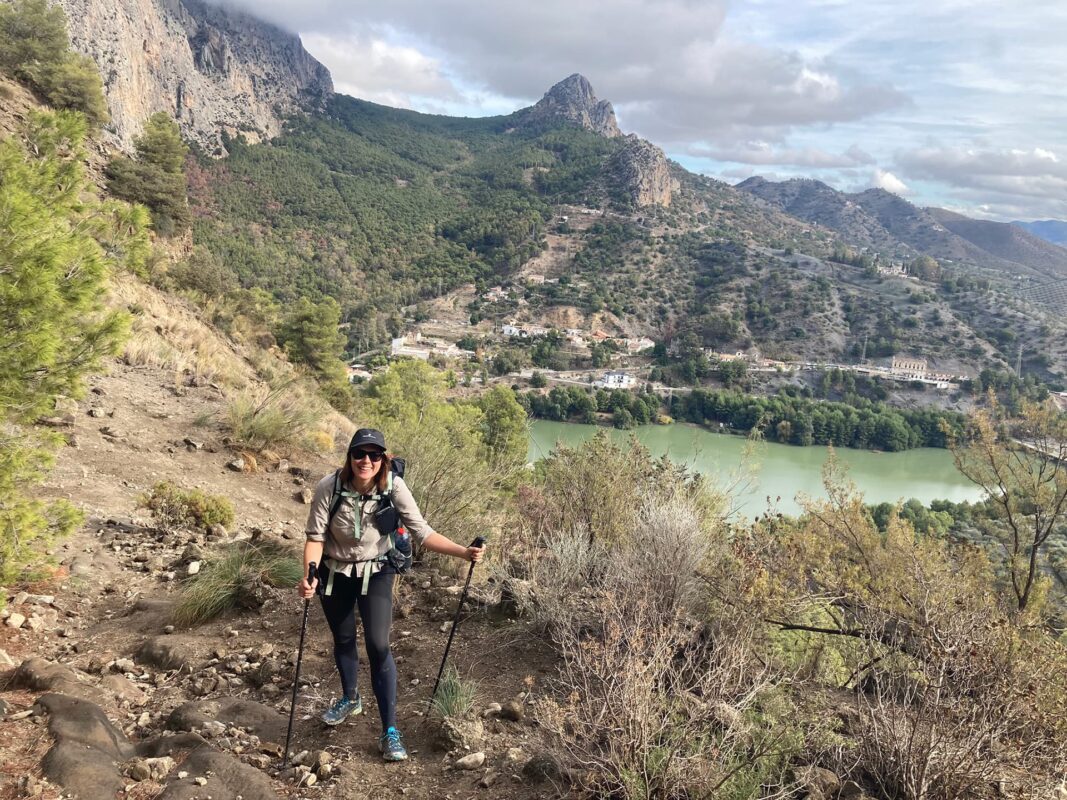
(312, 572)
(479, 542)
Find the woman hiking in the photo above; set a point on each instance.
(352, 532)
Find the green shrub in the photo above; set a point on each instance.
(455, 695)
(27, 526)
(231, 579)
(34, 48)
(282, 416)
(176, 507)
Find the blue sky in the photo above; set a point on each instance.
(950, 103)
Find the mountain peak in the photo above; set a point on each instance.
(573, 101)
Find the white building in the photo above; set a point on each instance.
(400, 347)
(616, 380)
(511, 330)
(908, 366)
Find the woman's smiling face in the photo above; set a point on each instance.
(366, 461)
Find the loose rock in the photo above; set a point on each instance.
(512, 710)
(473, 761)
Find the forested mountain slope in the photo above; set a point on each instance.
(384, 209)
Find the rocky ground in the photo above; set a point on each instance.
(101, 696)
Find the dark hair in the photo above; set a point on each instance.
(381, 479)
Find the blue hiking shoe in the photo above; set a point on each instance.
(342, 710)
(392, 746)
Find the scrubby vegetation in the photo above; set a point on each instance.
(727, 659)
(283, 416)
(235, 577)
(174, 507)
(455, 695)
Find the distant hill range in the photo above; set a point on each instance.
(889, 224)
(1051, 230)
(397, 214)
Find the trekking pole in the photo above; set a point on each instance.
(479, 542)
(299, 657)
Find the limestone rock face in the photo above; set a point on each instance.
(572, 100)
(214, 69)
(642, 168)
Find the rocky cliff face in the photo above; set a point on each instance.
(213, 69)
(572, 101)
(643, 169)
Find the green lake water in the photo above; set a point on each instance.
(780, 472)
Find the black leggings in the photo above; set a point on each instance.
(376, 612)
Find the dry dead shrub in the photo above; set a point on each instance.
(651, 701)
(955, 690)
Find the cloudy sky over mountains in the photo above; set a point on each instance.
(957, 103)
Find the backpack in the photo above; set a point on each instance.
(386, 518)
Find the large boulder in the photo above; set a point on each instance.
(262, 720)
(90, 754)
(40, 675)
(226, 779)
(165, 652)
(84, 759)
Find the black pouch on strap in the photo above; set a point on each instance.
(386, 518)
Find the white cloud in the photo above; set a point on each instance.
(373, 69)
(817, 86)
(760, 153)
(665, 64)
(889, 182)
(1012, 181)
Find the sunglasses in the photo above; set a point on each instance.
(374, 455)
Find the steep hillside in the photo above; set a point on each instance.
(814, 201)
(1007, 241)
(1051, 230)
(216, 70)
(874, 218)
(385, 210)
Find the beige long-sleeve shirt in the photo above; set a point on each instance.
(340, 542)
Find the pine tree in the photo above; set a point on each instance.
(311, 336)
(57, 246)
(156, 176)
(35, 49)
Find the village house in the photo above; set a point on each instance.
(616, 380)
(401, 348)
(535, 280)
(575, 336)
(422, 347)
(893, 269)
(495, 293)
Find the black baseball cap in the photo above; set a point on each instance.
(367, 437)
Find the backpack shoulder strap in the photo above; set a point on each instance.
(335, 499)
